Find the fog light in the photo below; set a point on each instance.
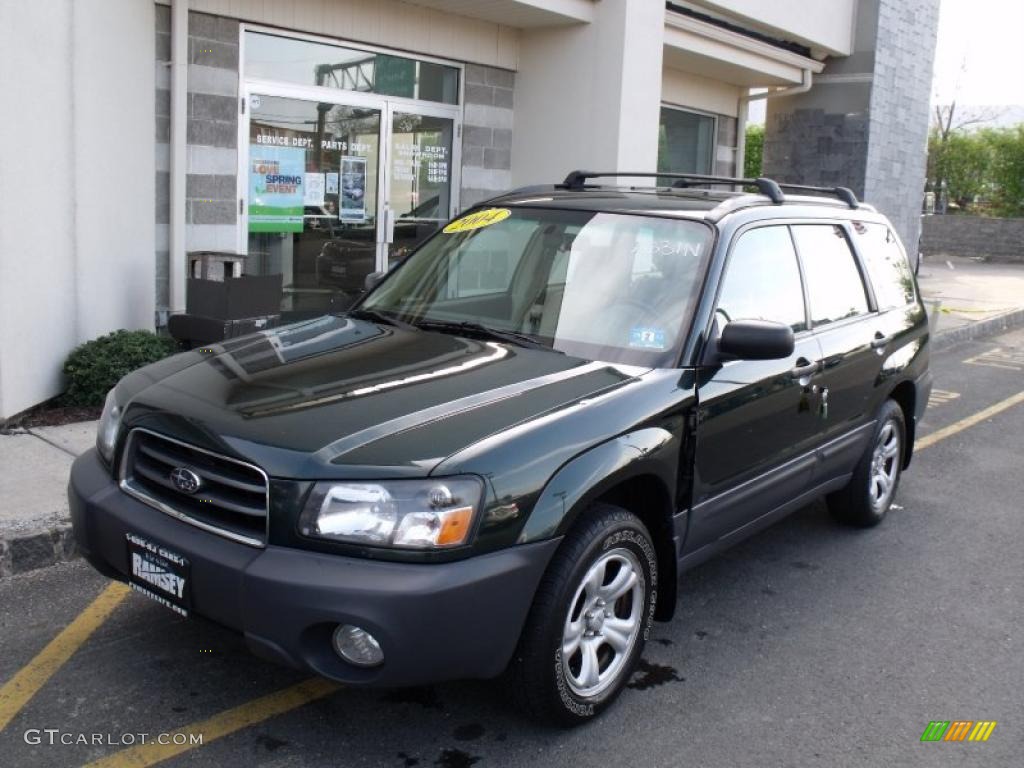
(357, 646)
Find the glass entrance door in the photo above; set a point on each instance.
(313, 185)
(420, 172)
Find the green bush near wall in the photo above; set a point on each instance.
(754, 151)
(93, 368)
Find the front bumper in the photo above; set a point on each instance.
(434, 622)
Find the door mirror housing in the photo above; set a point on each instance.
(755, 340)
(372, 279)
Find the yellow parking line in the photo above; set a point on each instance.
(223, 724)
(26, 683)
(959, 426)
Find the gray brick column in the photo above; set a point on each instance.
(211, 189)
(864, 123)
(486, 133)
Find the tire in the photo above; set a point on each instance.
(605, 638)
(864, 502)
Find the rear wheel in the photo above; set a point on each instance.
(870, 493)
(589, 621)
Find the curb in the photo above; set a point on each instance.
(992, 326)
(40, 549)
(29, 552)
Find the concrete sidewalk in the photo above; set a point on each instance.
(970, 298)
(34, 515)
(967, 299)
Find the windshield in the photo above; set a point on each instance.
(604, 286)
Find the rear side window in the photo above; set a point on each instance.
(834, 285)
(887, 265)
(762, 280)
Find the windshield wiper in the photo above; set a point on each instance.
(466, 328)
(376, 316)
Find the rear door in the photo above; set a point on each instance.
(757, 419)
(847, 326)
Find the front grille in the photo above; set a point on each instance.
(231, 499)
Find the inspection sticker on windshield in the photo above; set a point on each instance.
(647, 338)
(478, 219)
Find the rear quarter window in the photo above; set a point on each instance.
(887, 265)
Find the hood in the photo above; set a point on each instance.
(339, 396)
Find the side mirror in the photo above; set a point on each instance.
(372, 279)
(755, 340)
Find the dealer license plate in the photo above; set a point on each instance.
(159, 574)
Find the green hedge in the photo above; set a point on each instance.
(96, 366)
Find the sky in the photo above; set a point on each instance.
(978, 55)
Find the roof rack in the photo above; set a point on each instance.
(576, 180)
(843, 193)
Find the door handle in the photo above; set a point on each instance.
(880, 340)
(804, 368)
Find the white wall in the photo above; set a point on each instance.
(588, 96)
(76, 229)
(684, 89)
(824, 24)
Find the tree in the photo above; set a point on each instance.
(961, 162)
(944, 148)
(1007, 169)
(754, 152)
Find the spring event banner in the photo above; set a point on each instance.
(275, 188)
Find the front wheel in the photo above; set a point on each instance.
(589, 621)
(869, 495)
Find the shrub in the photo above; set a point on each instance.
(96, 366)
(754, 152)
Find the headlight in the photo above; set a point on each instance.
(110, 423)
(411, 514)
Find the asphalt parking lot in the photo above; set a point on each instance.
(807, 645)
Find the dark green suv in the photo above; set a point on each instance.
(504, 456)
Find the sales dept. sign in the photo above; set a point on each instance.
(276, 188)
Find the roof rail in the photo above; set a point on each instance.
(577, 179)
(770, 188)
(843, 193)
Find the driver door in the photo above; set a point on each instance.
(758, 420)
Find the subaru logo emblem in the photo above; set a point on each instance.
(185, 480)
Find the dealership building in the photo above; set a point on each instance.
(320, 140)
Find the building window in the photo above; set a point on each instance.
(274, 57)
(686, 141)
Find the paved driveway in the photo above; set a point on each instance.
(808, 645)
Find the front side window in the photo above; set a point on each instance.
(603, 286)
(834, 284)
(887, 265)
(762, 280)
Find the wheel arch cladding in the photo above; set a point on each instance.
(905, 395)
(636, 472)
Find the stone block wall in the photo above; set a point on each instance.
(957, 235)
